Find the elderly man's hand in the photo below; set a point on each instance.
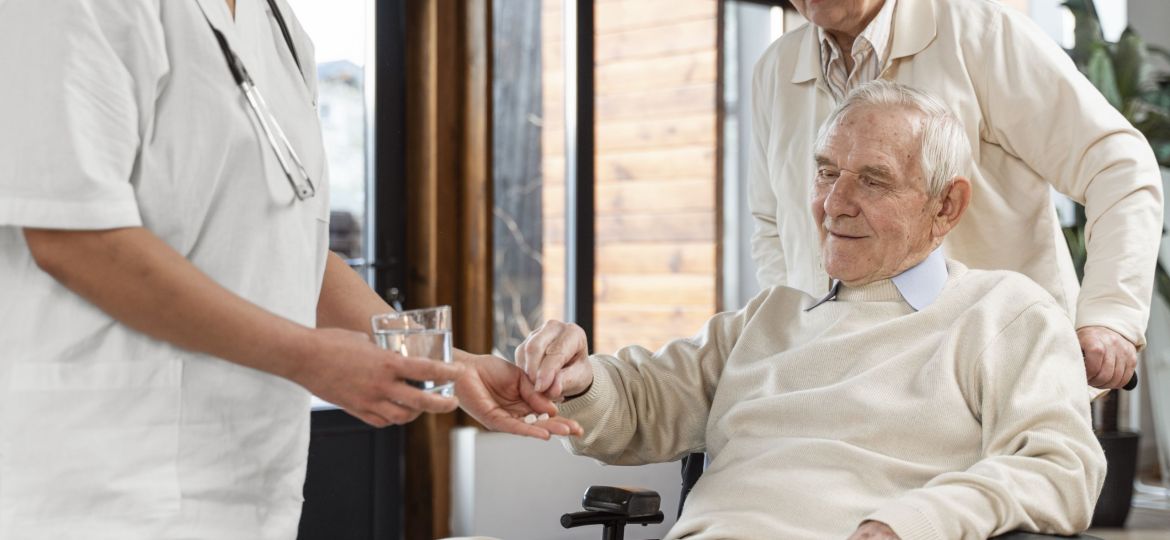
(1110, 359)
(498, 395)
(873, 530)
(556, 359)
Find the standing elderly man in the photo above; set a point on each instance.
(917, 399)
(1032, 120)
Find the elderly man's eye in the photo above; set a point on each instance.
(826, 174)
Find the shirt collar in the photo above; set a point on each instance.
(876, 34)
(919, 286)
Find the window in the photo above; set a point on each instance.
(528, 142)
(654, 226)
(338, 30)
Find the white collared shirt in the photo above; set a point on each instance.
(919, 285)
(870, 52)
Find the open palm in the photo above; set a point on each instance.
(498, 395)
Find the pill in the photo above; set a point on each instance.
(530, 419)
(543, 416)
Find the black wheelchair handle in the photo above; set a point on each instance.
(1132, 382)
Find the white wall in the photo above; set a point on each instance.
(515, 488)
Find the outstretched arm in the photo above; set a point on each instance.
(635, 406)
(142, 282)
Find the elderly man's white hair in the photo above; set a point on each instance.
(945, 150)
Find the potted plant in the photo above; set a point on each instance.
(1123, 73)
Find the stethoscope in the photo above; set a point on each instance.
(285, 155)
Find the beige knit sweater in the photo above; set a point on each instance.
(964, 420)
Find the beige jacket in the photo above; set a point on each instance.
(1034, 122)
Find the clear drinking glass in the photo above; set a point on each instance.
(419, 333)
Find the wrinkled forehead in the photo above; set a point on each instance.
(874, 135)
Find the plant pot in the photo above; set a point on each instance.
(1121, 453)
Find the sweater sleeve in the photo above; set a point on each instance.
(1041, 468)
(652, 407)
(1088, 151)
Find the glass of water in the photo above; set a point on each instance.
(420, 333)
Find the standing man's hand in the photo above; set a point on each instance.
(347, 369)
(1110, 359)
(873, 530)
(498, 395)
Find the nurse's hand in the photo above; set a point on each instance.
(498, 395)
(347, 369)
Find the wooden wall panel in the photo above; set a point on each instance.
(644, 196)
(656, 98)
(643, 258)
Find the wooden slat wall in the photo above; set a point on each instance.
(656, 103)
(449, 205)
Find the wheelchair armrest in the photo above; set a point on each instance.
(614, 508)
(627, 501)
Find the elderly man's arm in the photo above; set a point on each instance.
(1089, 152)
(1042, 467)
(767, 249)
(651, 407)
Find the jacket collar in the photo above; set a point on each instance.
(914, 29)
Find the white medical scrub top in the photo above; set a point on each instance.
(120, 113)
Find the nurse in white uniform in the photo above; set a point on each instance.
(167, 300)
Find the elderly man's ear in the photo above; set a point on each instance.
(954, 201)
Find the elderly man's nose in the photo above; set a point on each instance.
(840, 200)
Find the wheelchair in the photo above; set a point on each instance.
(615, 507)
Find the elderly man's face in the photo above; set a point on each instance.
(876, 219)
(848, 16)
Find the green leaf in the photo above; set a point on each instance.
(1075, 238)
(1099, 70)
(1157, 97)
(1155, 125)
(1131, 63)
(1087, 32)
(1162, 153)
(1159, 50)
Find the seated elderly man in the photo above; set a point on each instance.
(919, 399)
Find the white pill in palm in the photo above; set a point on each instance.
(530, 419)
(543, 416)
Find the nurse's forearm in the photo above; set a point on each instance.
(138, 279)
(346, 300)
